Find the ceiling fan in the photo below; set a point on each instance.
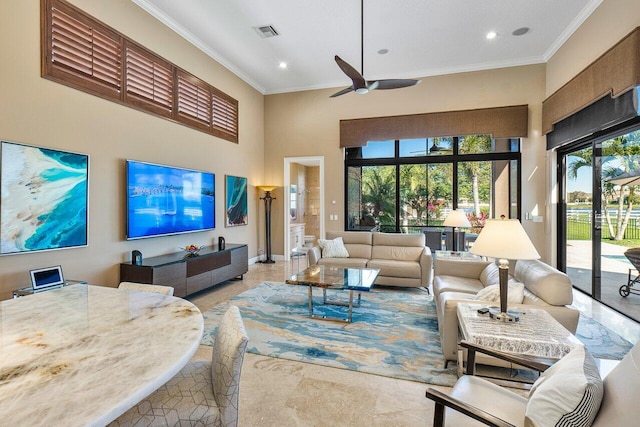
(360, 85)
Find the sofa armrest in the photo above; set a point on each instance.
(535, 363)
(447, 306)
(442, 399)
(426, 264)
(314, 255)
(461, 268)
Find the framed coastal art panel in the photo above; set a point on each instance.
(235, 201)
(43, 198)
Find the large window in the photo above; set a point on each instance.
(407, 185)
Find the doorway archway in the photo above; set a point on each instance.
(304, 199)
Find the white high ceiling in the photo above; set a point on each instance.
(424, 37)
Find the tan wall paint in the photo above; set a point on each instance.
(307, 124)
(43, 113)
(606, 26)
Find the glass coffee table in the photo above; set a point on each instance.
(339, 278)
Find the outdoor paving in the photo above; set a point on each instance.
(615, 267)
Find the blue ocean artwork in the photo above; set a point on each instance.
(236, 206)
(43, 199)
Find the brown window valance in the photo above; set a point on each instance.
(500, 122)
(613, 73)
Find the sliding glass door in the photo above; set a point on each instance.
(578, 214)
(600, 217)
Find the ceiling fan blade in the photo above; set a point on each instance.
(342, 92)
(373, 84)
(396, 83)
(352, 73)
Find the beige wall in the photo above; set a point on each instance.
(39, 112)
(307, 124)
(606, 26)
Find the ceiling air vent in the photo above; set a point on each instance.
(266, 31)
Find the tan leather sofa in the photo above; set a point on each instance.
(459, 280)
(403, 259)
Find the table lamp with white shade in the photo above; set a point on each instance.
(456, 219)
(504, 239)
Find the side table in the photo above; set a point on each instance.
(537, 333)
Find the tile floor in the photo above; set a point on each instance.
(277, 392)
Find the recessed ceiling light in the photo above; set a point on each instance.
(491, 35)
(383, 51)
(282, 65)
(520, 31)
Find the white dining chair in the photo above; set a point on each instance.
(143, 287)
(202, 393)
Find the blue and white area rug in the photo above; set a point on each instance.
(393, 334)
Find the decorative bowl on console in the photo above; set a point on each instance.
(192, 250)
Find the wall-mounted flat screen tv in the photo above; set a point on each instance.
(164, 200)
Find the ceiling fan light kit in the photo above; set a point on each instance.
(360, 85)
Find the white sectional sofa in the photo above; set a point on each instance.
(459, 280)
(403, 259)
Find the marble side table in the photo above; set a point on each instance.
(537, 333)
(83, 355)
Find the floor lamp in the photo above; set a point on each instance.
(267, 218)
(456, 219)
(504, 239)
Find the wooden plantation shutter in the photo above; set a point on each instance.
(194, 101)
(82, 53)
(148, 81)
(225, 115)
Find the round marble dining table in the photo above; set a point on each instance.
(82, 355)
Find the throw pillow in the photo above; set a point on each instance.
(490, 275)
(567, 394)
(491, 293)
(333, 248)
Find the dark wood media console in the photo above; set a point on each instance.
(188, 275)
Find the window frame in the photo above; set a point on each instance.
(455, 159)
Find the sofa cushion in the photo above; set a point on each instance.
(490, 275)
(532, 299)
(396, 239)
(515, 293)
(455, 284)
(333, 248)
(397, 253)
(568, 393)
(344, 262)
(545, 281)
(358, 244)
(392, 268)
